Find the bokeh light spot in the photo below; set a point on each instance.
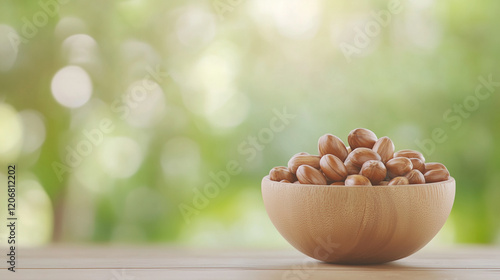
(11, 129)
(71, 86)
(211, 82)
(33, 130)
(294, 19)
(195, 27)
(297, 19)
(9, 47)
(146, 101)
(68, 26)
(232, 114)
(121, 157)
(36, 213)
(79, 48)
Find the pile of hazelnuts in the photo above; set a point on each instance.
(368, 161)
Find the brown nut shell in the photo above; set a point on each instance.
(280, 173)
(410, 154)
(351, 168)
(418, 164)
(434, 165)
(300, 159)
(415, 177)
(399, 181)
(436, 175)
(385, 148)
(310, 175)
(374, 170)
(357, 180)
(331, 144)
(361, 155)
(398, 166)
(383, 183)
(337, 184)
(333, 168)
(361, 137)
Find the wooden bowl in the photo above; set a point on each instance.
(358, 224)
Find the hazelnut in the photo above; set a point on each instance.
(310, 175)
(361, 155)
(280, 173)
(361, 137)
(367, 160)
(399, 181)
(337, 184)
(418, 164)
(357, 180)
(374, 170)
(410, 154)
(436, 175)
(301, 159)
(351, 168)
(333, 167)
(385, 148)
(415, 177)
(398, 166)
(331, 144)
(434, 165)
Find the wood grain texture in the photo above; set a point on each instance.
(358, 224)
(137, 263)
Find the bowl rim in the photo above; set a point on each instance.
(450, 180)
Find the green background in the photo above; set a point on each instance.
(231, 65)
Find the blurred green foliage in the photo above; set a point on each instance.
(230, 64)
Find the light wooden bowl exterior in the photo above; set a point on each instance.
(358, 224)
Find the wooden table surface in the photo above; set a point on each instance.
(138, 263)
